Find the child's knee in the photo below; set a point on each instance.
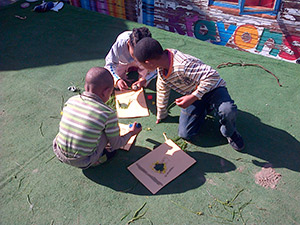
(228, 110)
(185, 133)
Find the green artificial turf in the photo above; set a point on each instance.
(47, 52)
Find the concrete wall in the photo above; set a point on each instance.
(272, 36)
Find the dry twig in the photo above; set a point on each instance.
(249, 64)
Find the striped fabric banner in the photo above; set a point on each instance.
(102, 6)
(75, 3)
(93, 5)
(85, 4)
(116, 8)
(148, 12)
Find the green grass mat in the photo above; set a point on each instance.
(47, 52)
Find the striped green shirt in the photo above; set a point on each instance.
(186, 75)
(85, 118)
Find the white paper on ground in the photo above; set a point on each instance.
(131, 104)
(160, 166)
(124, 129)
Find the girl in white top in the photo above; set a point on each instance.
(120, 59)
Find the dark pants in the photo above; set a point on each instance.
(192, 118)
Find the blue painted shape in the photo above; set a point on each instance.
(241, 5)
(148, 12)
(225, 4)
(211, 30)
(250, 11)
(93, 5)
(138, 125)
(277, 5)
(267, 34)
(247, 10)
(224, 35)
(85, 4)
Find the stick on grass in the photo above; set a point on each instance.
(137, 214)
(41, 129)
(249, 64)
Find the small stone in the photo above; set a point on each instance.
(25, 5)
(134, 87)
(72, 88)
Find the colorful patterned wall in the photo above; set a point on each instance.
(271, 36)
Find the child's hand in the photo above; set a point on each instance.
(158, 121)
(138, 84)
(186, 101)
(134, 129)
(122, 85)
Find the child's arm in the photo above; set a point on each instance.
(111, 63)
(186, 101)
(112, 132)
(144, 81)
(119, 141)
(118, 51)
(139, 84)
(121, 84)
(162, 98)
(209, 79)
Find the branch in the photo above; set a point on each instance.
(249, 64)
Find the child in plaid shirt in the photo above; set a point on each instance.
(201, 86)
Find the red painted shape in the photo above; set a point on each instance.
(288, 42)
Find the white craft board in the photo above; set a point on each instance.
(136, 101)
(161, 166)
(124, 129)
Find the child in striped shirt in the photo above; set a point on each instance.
(119, 60)
(201, 87)
(88, 125)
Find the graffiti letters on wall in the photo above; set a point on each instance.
(186, 19)
(243, 37)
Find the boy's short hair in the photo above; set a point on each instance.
(137, 34)
(148, 48)
(99, 77)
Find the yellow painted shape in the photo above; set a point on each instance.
(246, 30)
(158, 171)
(111, 7)
(120, 9)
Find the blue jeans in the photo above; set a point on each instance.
(192, 118)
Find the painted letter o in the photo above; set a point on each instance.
(246, 36)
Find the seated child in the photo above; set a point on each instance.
(119, 60)
(201, 86)
(88, 131)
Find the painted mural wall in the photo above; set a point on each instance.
(272, 36)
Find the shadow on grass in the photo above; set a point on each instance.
(45, 39)
(271, 145)
(116, 176)
(151, 103)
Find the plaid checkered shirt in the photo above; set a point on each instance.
(186, 75)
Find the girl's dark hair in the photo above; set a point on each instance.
(137, 34)
(148, 48)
